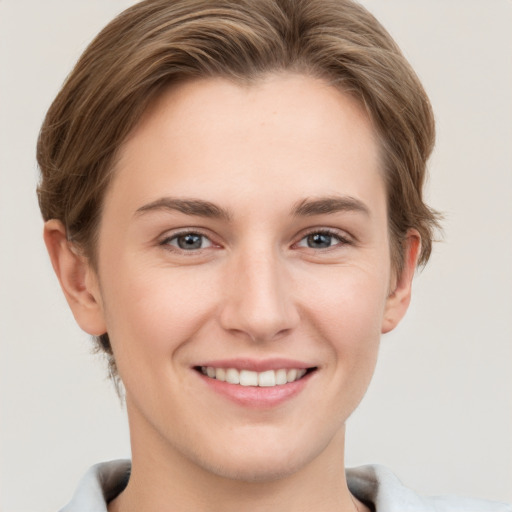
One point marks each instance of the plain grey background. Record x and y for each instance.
(439, 410)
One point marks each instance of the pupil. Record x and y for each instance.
(190, 241)
(319, 241)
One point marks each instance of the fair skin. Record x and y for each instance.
(245, 228)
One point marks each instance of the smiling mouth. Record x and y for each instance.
(268, 378)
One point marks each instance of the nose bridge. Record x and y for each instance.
(259, 299)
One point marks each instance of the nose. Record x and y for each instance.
(259, 303)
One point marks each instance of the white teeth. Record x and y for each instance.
(248, 378)
(268, 378)
(281, 377)
(291, 375)
(232, 376)
(220, 374)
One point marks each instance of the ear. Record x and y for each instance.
(400, 296)
(77, 279)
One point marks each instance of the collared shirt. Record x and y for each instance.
(374, 485)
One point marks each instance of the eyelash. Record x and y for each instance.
(342, 240)
(166, 242)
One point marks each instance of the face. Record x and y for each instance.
(244, 239)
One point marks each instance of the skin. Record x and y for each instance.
(257, 288)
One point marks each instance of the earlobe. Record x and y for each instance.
(77, 279)
(399, 298)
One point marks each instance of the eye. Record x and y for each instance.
(321, 240)
(188, 241)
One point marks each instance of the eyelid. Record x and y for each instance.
(343, 237)
(164, 239)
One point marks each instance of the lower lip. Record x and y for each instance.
(256, 396)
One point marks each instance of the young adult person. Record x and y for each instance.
(233, 202)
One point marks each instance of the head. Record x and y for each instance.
(159, 50)
(157, 43)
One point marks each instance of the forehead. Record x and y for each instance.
(285, 131)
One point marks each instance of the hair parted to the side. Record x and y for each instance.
(157, 42)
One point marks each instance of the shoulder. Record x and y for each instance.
(102, 483)
(378, 486)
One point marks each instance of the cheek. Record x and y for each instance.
(348, 301)
(154, 311)
(346, 315)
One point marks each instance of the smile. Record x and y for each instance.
(256, 384)
(268, 378)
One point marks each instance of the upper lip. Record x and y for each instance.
(257, 365)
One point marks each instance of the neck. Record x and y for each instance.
(165, 480)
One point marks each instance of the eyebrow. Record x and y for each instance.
(304, 208)
(196, 207)
(332, 204)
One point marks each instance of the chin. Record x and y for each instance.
(256, 462)
(264, 469)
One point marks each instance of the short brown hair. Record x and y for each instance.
(157, 42)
